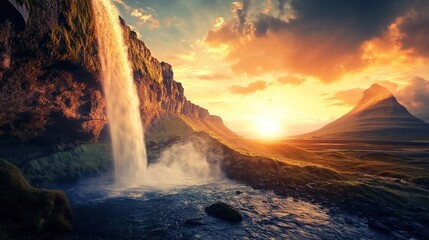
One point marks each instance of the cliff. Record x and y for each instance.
(51, 94)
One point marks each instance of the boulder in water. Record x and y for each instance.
(224, 211)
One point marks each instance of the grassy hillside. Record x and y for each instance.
(27, 211)
(84, 160)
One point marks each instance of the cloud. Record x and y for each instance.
(213, 76)
(124, 5)
(415, 96)
(251, 88)
(415, 30)
(240, 9)
(145, 18)
(291, 79)
(219, 22)
(325, 40)
(347, 97)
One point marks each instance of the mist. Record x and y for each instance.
(189, 162)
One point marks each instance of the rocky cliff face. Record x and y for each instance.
(51, 91)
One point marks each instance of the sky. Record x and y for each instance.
(275, 68)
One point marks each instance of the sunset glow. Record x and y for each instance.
(238, 58)
(268, 127)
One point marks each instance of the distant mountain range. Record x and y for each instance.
(377, 116)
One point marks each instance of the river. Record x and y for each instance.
(147, 212)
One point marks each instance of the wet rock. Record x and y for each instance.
(195, 222)
(224, 211)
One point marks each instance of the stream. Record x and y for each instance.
(148, 212)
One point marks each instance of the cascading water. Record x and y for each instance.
(126, 129)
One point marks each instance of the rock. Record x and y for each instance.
(60, 91)
(195, 222)
(224, 211)
(15, 12)
(30, 213)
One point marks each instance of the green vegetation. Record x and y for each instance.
(27, 211)
(167, 128)
(74, 40)
(142, 62)
(388, 189)
(84, 160)
(167, 131)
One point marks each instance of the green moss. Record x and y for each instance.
(81, 161)
(168, 128)
(27, 211)
(74, 39)
(141, 63)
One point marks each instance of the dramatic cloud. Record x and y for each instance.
(346, 97)
(415, 96)
(322, 39)
(415, 29)
(240, 9)
(251, 88)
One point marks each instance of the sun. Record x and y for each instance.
(268, 127)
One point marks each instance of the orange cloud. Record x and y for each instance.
(415, 30)
(251, 88)
(291, 79)
(213, 76)
(145, 18)
(327, 60)
(347, 97)
(327, 43)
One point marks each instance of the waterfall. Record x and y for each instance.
(122, 101)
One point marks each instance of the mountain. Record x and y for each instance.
(377, 116)
(51, 95)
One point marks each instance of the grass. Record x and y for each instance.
(171, 126)
(384, 187)
(74, 39)
(141, 59)
(92, 159)
(84, 160)
(26, 211)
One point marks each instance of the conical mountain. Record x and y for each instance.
(377, 116)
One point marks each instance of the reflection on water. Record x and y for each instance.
(150, 213)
